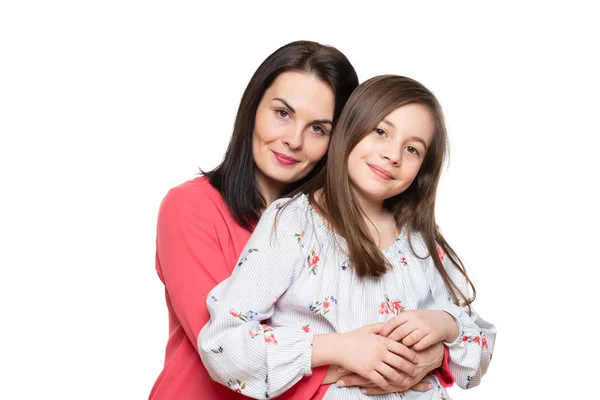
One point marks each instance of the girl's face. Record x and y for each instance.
(292, 128)
(386, 160)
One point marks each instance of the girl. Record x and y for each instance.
(280, 137)
(359, 246)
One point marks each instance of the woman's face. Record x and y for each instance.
(292, 128)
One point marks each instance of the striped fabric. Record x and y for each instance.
(296, 280)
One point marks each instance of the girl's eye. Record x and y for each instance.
(412, 150)
(379, 132)
(282, 113)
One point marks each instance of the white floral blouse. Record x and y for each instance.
(296, 280)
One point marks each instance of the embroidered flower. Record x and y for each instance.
(403, 261)
(313, 262)
(383, 308)
(243, 260)
(345, 265)
(218, 350)
(300, 238)
(270, 339)
(236, 385)
(306, 328)
(441, 253)
(247, 316)
(391, 306)
(322, 307)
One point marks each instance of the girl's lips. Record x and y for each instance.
(284, 160)
(382, 173)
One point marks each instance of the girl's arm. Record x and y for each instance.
(471, 351)
(238, 349)
(261, 361)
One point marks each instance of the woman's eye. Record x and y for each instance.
(318, 129)
(282, 113)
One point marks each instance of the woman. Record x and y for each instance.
(358, 246)
(280, 139)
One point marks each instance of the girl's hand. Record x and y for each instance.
(381, 360)
(420, 329)
(429, 359)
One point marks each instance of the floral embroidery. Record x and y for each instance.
(212, 297)
(270, 339)
(236, 385)
(313, 262)
(243, 260)
(279, 206)
(403, 261)
(441, 393)
(218, 350)
(264, 329)
(345, 265)
(247, 316)
(469, 377)
(323, 307)
(306, 328)
(300, 238)
(441, 253)
(390, 306)
(480, 339)
(400, 395)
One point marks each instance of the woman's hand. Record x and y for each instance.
(428, 360)
(381, 360)
(419, 329)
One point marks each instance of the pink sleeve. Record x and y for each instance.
(191, 260)
(443, 373)
(192, 264)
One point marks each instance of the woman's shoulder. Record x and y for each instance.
(194, 195)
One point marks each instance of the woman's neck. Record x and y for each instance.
(268, 188)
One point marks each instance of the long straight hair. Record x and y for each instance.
(413, 209)
(234, 178)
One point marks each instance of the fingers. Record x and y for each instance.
(379, 380)
(403, 332)
(422, 386)
(373, 328)
(393, 323)
(391, 375)
(400, 364)
(402, 350)
(354, 380)
(423, 343)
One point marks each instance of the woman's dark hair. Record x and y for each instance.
(234, 177)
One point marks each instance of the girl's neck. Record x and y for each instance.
(379, 221)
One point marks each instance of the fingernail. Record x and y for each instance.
(340, 383)
(341, 370)
(363, 391)
(429, 386)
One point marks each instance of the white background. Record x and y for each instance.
(106, 105)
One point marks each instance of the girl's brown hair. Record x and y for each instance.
(413, 209)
